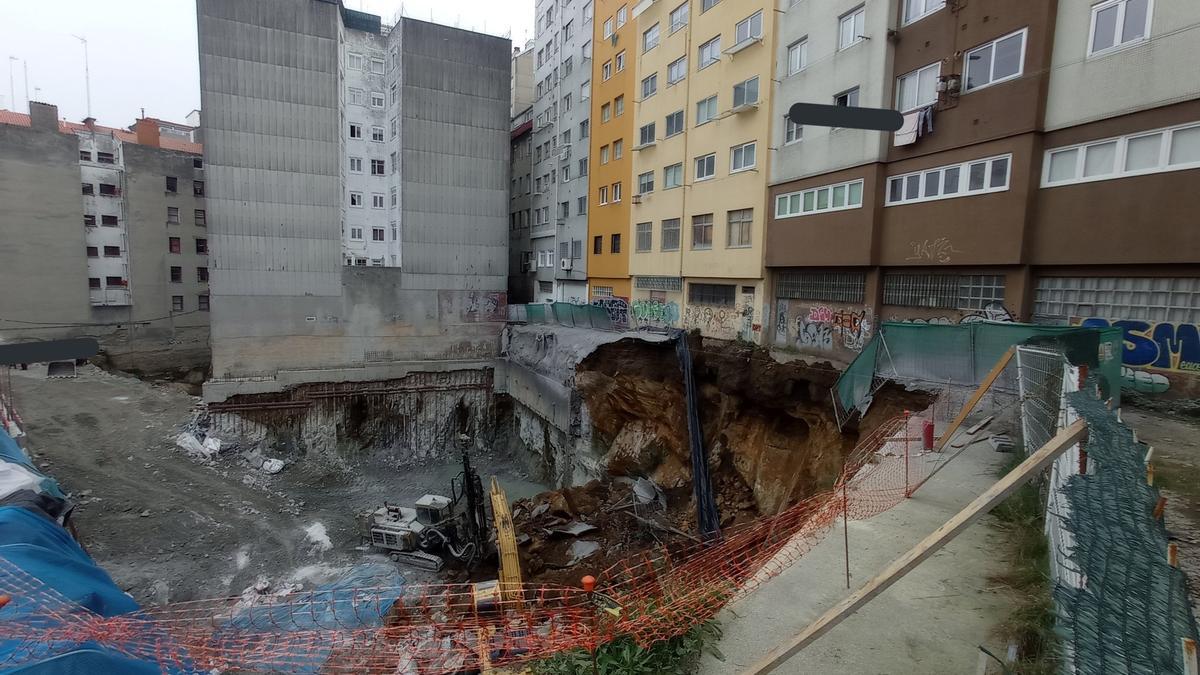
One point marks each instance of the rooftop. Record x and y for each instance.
(166, 141)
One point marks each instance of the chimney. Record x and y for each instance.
(147, 132)
(43, 116)
(90, 123)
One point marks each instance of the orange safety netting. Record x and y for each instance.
(438, 628)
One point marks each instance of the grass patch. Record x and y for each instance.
(1030, 625)
(677, 656)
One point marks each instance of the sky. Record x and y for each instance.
(142, 53)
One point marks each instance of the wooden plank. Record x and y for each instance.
(979, 392)
(1189, 657)
(901, 566)
(983, 423)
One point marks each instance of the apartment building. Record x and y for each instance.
(703, 128)
(562, 89)
(1037, 175)
(521, 254)
(105, 235)
(297, 296)
(613, 144)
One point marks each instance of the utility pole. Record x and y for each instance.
(12, 91)
(25, 66)
(87, 73)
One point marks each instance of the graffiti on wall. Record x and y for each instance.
(617, 308)
(1163, 346)
(474, 306)
(823, 325)
(940, 250)
(654, 313)
(994, 311)
(781, 321)
(727, 322)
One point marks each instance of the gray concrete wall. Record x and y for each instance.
(43, 263)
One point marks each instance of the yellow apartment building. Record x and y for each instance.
(700, 137)
(614, 48)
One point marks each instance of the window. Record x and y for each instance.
(377, 201)
(108, 221)
(172, 185)
(118, 282)
(604, 154)
(679, 17)
(737, 231)
(378, 167)
(197, 163)
(566, 31)
(1159, 150)
(712, 294)
(1117, 23)
(176, 272)
(792, 132)
(650, 86)
(820, 199)
(646, 134)
(603, 193)
(581, 206)
(377, 134)
(105, 158)
(702, 231)
(956, 180)
(202, 302)
(673, 176)
(93, 252)
(650, 38)
(706, 110)
(586, 51)
(918, 88)
(395, 197)
(616, 192)
(918, 9)
(564, 210)
(618, 106)
(670, 234)
(583, 167)
(585, 128)
(566, 103)
(176, 303)
(677, 70)
(797, 56)
(644, 237)
(89, 189)
(85, 155)
(378, 67)
(850, 28)
(109, 190)
(597, 244)
(995, 61)
(605, 112)
(201, 246)
(706, 5)
(201, 218)
(706, 166)
(356, 96)
(645, 182)
(710, 53)
(832, 286)
(202, 275)
(93, 282)
(741, 157)
(568, 65)
(197, 188)
(89, 221)
(608, 28)
(377, 99)
(618, 147)
(172, 215)
(748, 29)
(620, 61)
(174, 245)
(356, 199)
(943, 291)
(622, 16)
(354, 61)
(614, 244)
(848, 98)
(674, 123)
(745, 93)
(356, 233)
(378, 234)
(355, 130)
(356, 165)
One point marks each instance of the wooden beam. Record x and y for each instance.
(1190, 666)
(901, 566)
(979, 392)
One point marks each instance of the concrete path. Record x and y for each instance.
(931, 621)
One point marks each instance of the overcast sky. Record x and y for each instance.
(143, 52)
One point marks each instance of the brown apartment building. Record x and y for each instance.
(1042, 175)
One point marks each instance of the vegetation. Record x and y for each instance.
(1031, 623)
(676, 656)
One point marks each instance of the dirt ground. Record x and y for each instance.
(170, 529)
(1176, 442)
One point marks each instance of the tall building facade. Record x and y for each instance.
(297, 295)
(613, 144)
(106, 236)
(521, 254)
(703, 129)
(561, 126)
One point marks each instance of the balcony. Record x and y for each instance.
(110, 297)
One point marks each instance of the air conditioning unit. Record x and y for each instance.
(637, 199)
(565, 264)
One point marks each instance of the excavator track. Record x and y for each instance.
(419, 559)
